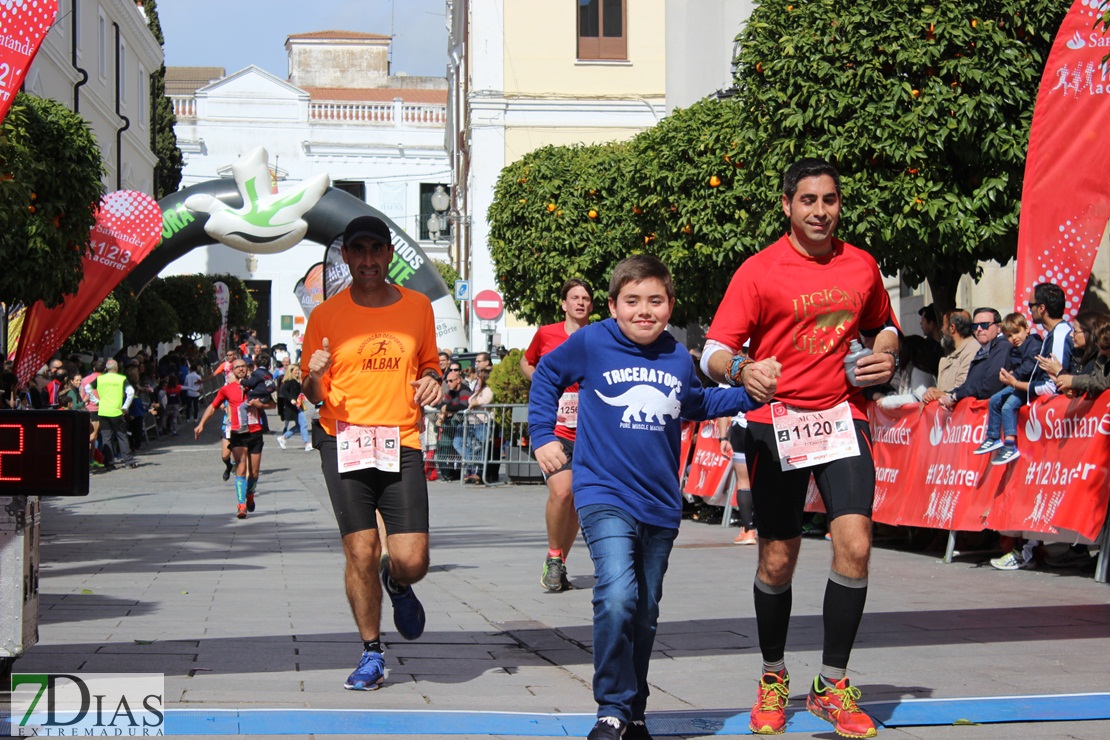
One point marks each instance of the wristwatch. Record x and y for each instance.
(433, 374)
(897, 363)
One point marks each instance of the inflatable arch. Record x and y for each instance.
(243, 213)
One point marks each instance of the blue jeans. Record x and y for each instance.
(630, 559)
(1003, 413)
(302, 422)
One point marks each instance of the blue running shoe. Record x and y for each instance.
(408, 612)
(369, 675)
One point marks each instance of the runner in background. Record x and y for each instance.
(561, 517)
(225, 369)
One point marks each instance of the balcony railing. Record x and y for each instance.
(364, 113)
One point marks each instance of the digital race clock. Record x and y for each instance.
(44, 453)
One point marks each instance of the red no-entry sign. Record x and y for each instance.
(488, 305)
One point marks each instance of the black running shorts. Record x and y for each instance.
(847, 486)
(401, 497)
(568, 450)
(253, 441)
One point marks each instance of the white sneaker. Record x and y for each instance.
(308, 447)
(281, 441)
(1010, 561)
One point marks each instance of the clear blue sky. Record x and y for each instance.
(236, 33)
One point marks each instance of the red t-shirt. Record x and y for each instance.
(804, 311)
(235, 396)
(548, 338)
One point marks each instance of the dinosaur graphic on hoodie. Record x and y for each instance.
(643, 399)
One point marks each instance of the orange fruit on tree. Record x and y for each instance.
(714, 181)
(592, 213)
(550, 207)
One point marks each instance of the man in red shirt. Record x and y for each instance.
(801, 301)
(225, 368)
(245, 446)
(562, 519)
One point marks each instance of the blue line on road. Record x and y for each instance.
(908, 713)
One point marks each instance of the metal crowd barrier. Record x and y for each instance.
(486, 446)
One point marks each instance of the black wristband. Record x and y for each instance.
(433, 374)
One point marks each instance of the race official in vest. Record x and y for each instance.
(114, 394)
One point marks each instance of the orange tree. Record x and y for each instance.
(925, 108)
(50, 170)
(560, 212)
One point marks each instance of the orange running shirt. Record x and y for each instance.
(375, 354)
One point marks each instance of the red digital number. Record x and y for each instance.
(11, 452)
(57, 447)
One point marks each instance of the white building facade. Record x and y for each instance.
(525, 75)
(379, 137)
(97, 60)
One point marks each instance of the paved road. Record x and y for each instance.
(153, 573)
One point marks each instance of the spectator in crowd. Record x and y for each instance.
(1095, 375)
(293, 402)
(92, 408)
(444, 361)
(1084, 350)
(298, 343)
(931, 351)
(1004, 404)
(190, 389)
(72, 397)
(55, 384)
(455, 400)
(482, 362)
(9, 389)
(479, 420)
(172, 389)
(953, 367)
(453, 366)
(912, 378)
(1047, 309)
(983, 379)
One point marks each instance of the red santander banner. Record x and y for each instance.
(709, 468)
(1065, 203)
(23, 26)
(128, 225)
(927, 476)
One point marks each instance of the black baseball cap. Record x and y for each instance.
(370, 227)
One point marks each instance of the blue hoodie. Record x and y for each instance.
(631, 400)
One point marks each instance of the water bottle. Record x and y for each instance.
(855, 352)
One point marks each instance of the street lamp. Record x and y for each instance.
(438, 221)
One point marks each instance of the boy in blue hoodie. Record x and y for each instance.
(636, 385)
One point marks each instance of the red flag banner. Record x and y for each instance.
(1065, 202)
(128, 225)
(23, 26)
(709, 468)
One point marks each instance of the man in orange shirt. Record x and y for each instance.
(370, 358)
